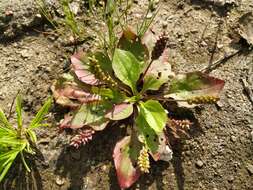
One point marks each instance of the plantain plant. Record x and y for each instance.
(18, 140)
(133, 85)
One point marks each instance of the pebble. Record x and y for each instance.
(104, 168)
(220, 104)
(24, 53)
(199, 164)
(230, 179)
(149, 15)
(59, 180)
(164, 24)
(251, 135)
(250, 168)
(203, 43)
(233, 138)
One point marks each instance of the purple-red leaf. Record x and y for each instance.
(120, 111)
(127, 174)
(71, 95)
(192, 85)
(66, 122)
(82, 69)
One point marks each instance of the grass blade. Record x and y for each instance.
(3, 120)
(41, 114)
(5, 166)
(5, 170)
(19, 111)
(32, 135)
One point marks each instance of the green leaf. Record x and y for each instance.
(152, 83)
(120, 111)
(90, 115)
(110, 6)
(194, 84)
(104, 61)
(147, 133)
(154, 114)
(112, 95)
(6, 168)
(6, 132)
(19, 110)
(127, 68)
(10, 141)
(41, 114)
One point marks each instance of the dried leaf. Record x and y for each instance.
(129, 41)
(163, 152)
(158, 73)
(69, 94)
(149, 39)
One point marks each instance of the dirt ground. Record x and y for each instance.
(219, 154)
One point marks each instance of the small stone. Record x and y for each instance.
(233, 138)
(9, 13)
(104, 168)
(251, 135)
(230, 179)
(25, 53)
(149, 15)
(75, 7)
(203, 43)
(250, 169)
(219, 46)
(219, 104)
(164, 24)
(59, 180)
(199, 164)
(38, 16)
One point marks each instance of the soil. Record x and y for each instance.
(219, 153)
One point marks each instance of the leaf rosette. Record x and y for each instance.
(130, 86)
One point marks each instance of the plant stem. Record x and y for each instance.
(24, 162)
(162, 98)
